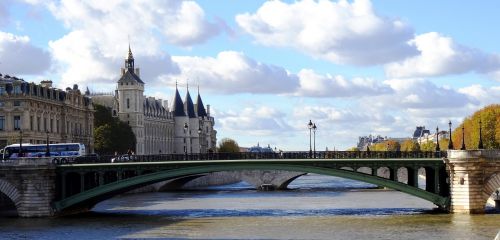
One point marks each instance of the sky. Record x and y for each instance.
(266, 68)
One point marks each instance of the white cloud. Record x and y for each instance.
(18, 56)
(257, 121)
(419, 94)
(315, 85)
(483, 95)
(440, 55)
(233, 72)
(92, 52)
(341, 32)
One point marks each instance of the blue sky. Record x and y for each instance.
(267, 67)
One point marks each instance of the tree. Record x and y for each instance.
(389, 145)
(410, 146)
(110, 134)
(428, 146)
(353, 149)
(490, 123)
(228, 145)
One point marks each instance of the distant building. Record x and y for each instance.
(259, 149)
(37, 111)
(420, 131)
(366, 141)
(186, 127)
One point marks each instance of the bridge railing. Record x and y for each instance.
(251, 155)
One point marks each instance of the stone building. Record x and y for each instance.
(35, 112)
(183, 128)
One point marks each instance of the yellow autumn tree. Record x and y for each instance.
(490, 125)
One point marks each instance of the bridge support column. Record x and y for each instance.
(30, 184)
(469, 171)
(412, 176)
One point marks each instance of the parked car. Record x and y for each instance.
(124, 158)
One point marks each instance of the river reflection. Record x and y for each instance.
(317, 207)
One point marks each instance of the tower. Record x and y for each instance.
(130, 94)
(181, 125)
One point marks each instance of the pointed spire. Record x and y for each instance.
(189, 106)
(178, 106)
(130, 55)
(200, 108)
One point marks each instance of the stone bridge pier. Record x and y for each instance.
(474, 177)
(29, 185)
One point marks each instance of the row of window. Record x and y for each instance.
(76, 127)
(42, 92)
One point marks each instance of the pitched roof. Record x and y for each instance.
(188, 104)
(129, 76)
(178, 106)
(200, 108)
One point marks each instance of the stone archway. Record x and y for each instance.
(10, 191)
(491, 184)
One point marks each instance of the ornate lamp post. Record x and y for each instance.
(314, 139)
(310, 125)
(47, 150)
(199, 138)
(437, 140)
(463, 138)
(185, 139)
(480, 145)
(450, 143)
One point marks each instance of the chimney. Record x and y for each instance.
(46, 83)
(123, 71)
(137, 72)
(208, 110)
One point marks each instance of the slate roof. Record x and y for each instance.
(178, 106)
(200, 108)
(129, 76)
(188, 104)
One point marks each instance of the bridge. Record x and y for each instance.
(457, 180)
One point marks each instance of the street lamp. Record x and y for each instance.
(199, 138)
(437, 140)
(314, 143)
(480, 145)
(47, 150)
(463, 138)
(310, 125)
(450, 143)
(185, 139)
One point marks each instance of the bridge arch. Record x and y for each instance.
(492, 183)
(95, 195)
(11, 192)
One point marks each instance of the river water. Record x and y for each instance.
(317, 207)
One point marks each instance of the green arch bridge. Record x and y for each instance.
(85, 182)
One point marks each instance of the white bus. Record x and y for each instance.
(39, 150)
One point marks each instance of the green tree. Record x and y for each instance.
(428, 146)
(353, 149)
(228, 145)
(388, 145)
(490, 123)
(110, 134)
(410, 146)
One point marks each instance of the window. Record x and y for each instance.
(128, 103)
(2, 90)
(38, 124)
(45, 124)
(2, 123)
(17, 103)
(17, 89)
(57, 126)
(51, 125)
(31, 123)
(17, 122)
(2, 103)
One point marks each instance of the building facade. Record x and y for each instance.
(186, 127)
(34, 113)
